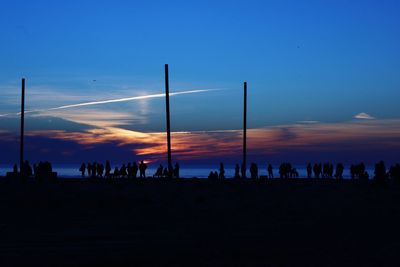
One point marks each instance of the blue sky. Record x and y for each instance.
(320, 61)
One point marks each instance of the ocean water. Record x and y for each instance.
(72, 171)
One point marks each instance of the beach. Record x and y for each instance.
(197, 222)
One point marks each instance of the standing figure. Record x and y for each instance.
(221, 171)
(82, 169)
(237, 172)
(270, 171)
(108, 169)
(176, 170)
(142, 169)
(135, 169)
(309, 170)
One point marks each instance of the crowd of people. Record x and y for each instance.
(317, 171)
(130, 170)
(286, 170)
(40, 170)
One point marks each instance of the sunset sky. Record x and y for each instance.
(323, 80)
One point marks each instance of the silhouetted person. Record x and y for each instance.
(94, 170)
(286, 170)
(394, 172)
(237, 172)
(166, 173)
(176, 170)
(82, 169)
(108, 169)
(221, 171)
(352, 171)
(309, 170)
(380, 172)
(89, 169)
(142, 169)
(213, 175)
(27, 169)
(159, 172)
(135, 169)
(270, 171)
(339, 171)
(253, 171)
(116, 172)
(129, 170)
(100, 170)
(317, 170)
(243, 171)
(15, 169)
(122, 171)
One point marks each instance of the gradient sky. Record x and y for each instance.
(323, 79)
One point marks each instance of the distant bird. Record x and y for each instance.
(94, 80)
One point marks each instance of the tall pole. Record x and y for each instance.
(21, 151)
(244, 167)
(168, 121)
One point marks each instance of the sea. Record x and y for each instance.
(72, 171)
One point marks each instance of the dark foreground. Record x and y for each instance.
(198, 222)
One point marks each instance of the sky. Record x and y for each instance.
(322, 76)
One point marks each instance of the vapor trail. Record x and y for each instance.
(112, 101)
(130, 99)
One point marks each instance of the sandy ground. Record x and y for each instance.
(199, 223)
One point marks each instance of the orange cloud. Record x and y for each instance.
(262, 141)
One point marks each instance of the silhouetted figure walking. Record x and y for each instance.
(253, 171)
(94, 170)
(380, 172)
(339, 171)
(237, 172)
(116, 172)
(82, 169)
(394, 172)
(221, 171)
(309, 170)
(317, 170)
(89, 169)
(159, 171)
(100, 170)
(122, 171)
(213, 176)
(142, 169)
(15, 169)
(108, 169)
(176, 170)
(270, 171)
(135, 169)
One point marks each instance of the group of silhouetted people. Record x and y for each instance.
(325, 170)
(318, 170)
(44, 170)
(287, 171)
(99, 170)
(130, 170)
(170, 172)
(40, 171)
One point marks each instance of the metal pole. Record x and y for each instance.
(244, 167)
(21, 151)
(168, 121)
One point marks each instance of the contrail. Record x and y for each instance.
(84, 104)
(130, 99)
